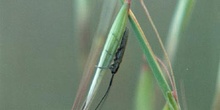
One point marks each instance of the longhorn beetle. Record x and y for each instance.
(116, 63)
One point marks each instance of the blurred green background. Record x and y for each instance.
(41, 65)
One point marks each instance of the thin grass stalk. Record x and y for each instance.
(171, 74)
(146, 48)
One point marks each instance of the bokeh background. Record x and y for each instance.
(42, 58)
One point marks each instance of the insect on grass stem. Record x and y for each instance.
(116, 63)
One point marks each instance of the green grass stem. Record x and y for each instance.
(146, 48)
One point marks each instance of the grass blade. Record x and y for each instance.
(145, 46)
